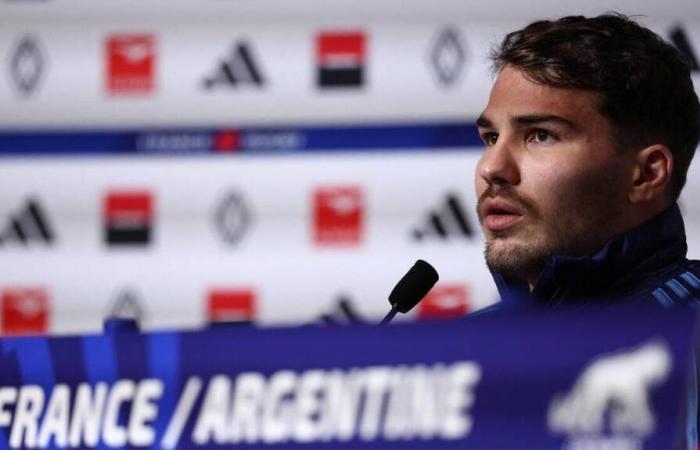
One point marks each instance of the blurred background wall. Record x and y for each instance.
(267, 161)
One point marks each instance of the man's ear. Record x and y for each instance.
(652, 173)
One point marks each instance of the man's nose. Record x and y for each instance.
(498, 164)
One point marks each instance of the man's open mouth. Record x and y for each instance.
(499, 215)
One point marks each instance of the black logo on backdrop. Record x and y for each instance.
(448, 56)
(28, 225)
(232, 218)
(238, 68)
(680, 40)
(126, 305)
(448, 221)
(342, 313)
(27, 65)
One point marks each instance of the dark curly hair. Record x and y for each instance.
(643, 83)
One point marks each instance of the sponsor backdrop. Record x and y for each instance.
(253, 169)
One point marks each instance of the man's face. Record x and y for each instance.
(550, 181)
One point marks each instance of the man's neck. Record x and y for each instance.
(635, 219)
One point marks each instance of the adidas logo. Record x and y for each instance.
(237, 69)
(449, 220)
(680, 40)
(28, 225)
(127, 305)
(343, 313)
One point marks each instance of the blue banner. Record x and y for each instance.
(247, 140)
(577, 380)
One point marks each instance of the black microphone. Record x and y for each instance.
(411, 289)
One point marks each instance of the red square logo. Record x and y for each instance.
(25, 311)
(231, 305)
(131, 64)
(338, 215)
(445, 301)
(340, 58)
(128, 217)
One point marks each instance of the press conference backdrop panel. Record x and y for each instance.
(186, 163)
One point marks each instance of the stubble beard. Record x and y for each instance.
(521, 251)
(524, 260)
(585, 225)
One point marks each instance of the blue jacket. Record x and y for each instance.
(647, 263)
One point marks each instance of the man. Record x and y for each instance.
(589, 131)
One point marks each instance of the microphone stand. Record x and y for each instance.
(392, 313)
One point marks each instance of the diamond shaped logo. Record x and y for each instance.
(448, 56)
(232, 217)
(27, 65)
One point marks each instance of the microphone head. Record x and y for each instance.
(413, 286)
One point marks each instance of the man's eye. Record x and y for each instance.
(489, 138)
(542, 136)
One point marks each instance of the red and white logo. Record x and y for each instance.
(445, 301)
(24, 311)
(338, 215)
(231, 305)
(131, 60)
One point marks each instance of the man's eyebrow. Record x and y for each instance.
(483, 122)
(534, 119)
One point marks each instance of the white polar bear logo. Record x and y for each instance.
(620, 382)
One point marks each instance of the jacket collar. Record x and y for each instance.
(622, 261)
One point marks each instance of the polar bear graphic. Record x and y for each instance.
(618, 383)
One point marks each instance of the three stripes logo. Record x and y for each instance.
(28, 225)
(127, 304)
(342, 313)
(449, 220)
(236, 69)
(682, 43)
